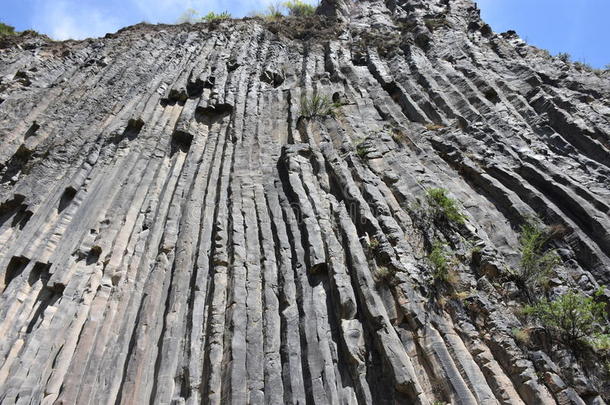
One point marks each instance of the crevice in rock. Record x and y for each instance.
(66, 198)
(14, 269)
(94, 254)
(46, 298)
(17, 163)
(194, 88)
(32, 130)
(15, 209)
(181, 141)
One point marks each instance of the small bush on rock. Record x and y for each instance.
(317, 106)
(521, 335)
(444, 207)
(573, 317)
(383, 274)
(298, 8)
(537, 263)
(6, 29)
(274, 11)
(361, 151)
(212, 16)
(441, 266)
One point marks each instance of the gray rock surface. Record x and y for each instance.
(173, 231)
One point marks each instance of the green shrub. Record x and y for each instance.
(298, 8)
(6, 29)
(444, 207)
(191, 16)
(317, 106)
(274, 11)
(601, 341)
(361, 150)
(212, 16)
(564, 57)
(536, 263)
(521, 335)
(573, 317)
(439, 261)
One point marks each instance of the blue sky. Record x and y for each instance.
(579, 27)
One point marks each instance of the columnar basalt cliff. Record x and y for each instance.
(173, 228)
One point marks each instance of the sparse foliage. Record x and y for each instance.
(444, 207)
(434, 127)
(583, 66)
(317, 106)
(374, 244)
(298, 8)
(6, 30)
(361, 150)
(433, 23)
(564, 57)
(189, 16)
(573, 317)
(212, 16)
(275, 11)
(521, 335)
(440, 262)
(383, 274)
(537, 263)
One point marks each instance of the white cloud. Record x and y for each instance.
(62, 19)
(79, 19)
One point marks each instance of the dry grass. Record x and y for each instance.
(434, 127)
(521, 335)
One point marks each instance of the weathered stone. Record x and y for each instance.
(174, 230)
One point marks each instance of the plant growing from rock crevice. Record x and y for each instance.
(441, 264)
(6, 30)
(443, 208)
(298, 8)
(361, 150)
(573, 317)
(434, 127)
(212, 16)
(318, 106)
(191, 16)
(537, 262)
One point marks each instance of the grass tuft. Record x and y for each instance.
(521, 335)
(434, 127)
(443, 206)
(440, 263)
(6, 30)
(212, 16)
(318, 106)
(298, 8)
(537, 263)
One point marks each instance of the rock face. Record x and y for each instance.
(173, 230)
